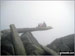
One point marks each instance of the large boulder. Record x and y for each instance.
(6, 45)
(31, 45)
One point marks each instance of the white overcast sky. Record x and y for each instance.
(58, 14)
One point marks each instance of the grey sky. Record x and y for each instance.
(58, 14)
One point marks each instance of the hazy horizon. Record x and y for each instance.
(24, 14)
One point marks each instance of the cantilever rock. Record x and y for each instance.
(21, 30)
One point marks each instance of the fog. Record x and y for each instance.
(24, 14)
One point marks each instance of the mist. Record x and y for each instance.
(28, 14)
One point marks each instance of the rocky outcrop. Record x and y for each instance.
(26, 44)
(63, 44)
